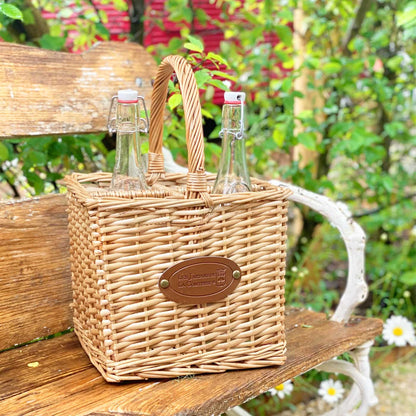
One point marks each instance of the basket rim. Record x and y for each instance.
(164, 196)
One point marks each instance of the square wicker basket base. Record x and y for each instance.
(117, 371)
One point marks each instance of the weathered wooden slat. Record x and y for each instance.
(44, 92)
(64, 383)
(34, 269)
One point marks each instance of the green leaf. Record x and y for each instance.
(28, 17)
(36, 181)
(55, 30)
(388, 183)
(174, 100)
(6, 36)
(217, 59)
(103, 16)
(219, 84)
(4, 152)
(213, 149)
(102, 30)
(57, 149)
(53, 176)
(192, 47)
(187, 15)
(394, 128)
(285, 34)
(380, 38)
(222, 74)
(202, 77)
(286, 14)
(305, 115)
(312, 63)
(206, 113)
(121, 5)
(53, 43)
(332, 67)
(37, 158)
(215, 133)
(278, 136)
(286, 85)
(408, 278)
(283, 56)
(194, 44)
(407, 18)
(201, 16)
(394, 63)
(308, 140)
(11, 11)
(175, 44)
(375, 154)
(357, 44)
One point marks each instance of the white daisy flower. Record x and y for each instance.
(331, 391)
(398, 331)
(282, 390)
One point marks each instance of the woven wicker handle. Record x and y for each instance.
(196, 181)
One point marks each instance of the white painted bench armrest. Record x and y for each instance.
(353, 235)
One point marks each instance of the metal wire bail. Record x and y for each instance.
(111, 123)
(240, 134)
(144, 122)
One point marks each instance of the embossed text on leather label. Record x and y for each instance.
(200, 280)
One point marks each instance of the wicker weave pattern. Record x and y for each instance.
(130, 329)
(122, 243)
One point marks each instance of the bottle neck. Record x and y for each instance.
(128, 146)
(233, 154)
(128, 169)
(127, 117)
(233, 172)
(232, 132)
(233, 120)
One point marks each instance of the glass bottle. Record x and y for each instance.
(129, 172)
(233, 173)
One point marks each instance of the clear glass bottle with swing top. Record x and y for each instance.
(125, 119)
(233, 173)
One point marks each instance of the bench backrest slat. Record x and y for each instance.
(51, 93)
(35, 279)
(47, 93)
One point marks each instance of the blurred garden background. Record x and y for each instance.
(331, 107)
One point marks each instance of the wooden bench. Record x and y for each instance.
(53, 93)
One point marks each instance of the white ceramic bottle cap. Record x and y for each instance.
(127, 96)
(232, 97)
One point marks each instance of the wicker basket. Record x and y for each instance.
(122, 244)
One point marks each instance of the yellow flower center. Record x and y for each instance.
(397, 331)
(280, 387)
(331, 391)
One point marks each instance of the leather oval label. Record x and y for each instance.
(200, 280)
